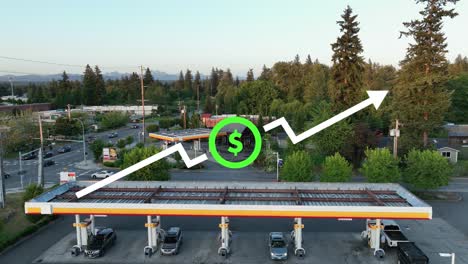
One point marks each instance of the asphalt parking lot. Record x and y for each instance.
(247, 247)
(250, 245)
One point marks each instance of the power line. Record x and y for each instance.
(63, 64)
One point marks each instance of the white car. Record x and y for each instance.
(102, 174)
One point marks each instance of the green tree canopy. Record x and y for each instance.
(114, 120)
(420, 97)
(297, 167)
(334, 138)
(380, 166)
(427, 169)
(157, 171)
(346, 87)
(336, 169)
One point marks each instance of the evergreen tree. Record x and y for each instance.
(297, 59)
(266, 74)
(250, 76)
(197, 86)
(208, 105)
(148, 77)
(89, 85)
(100, 87)
(421, 99)
(348, 65)
(188, 88)
(179, 84)
(309, 60)
(214, 81)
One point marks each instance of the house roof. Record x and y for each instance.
(449, 148)
(457, 130)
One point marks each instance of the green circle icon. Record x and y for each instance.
(227, 163)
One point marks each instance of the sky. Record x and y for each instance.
(175, 35)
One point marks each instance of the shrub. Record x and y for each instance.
(33, 190)
(380, 166)
(129, 140)
(152, 128)
(114, 120)
(96, 148)
(121, 143)
(427, 169)
(157, 171)
(336, 169)
(297, 167)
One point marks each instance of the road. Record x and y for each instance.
(65, 161)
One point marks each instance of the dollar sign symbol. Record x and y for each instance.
(234, 140)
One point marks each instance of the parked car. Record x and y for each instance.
(102, 174)
(409, 253)
(48, 163)
(6, 175)
(29, 156)
(91, 139)
(113, 135)
(135, 126)
(48, 154)
(172, 241)
(278, 246)
(64, 149)
(100, 242)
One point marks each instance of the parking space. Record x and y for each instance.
(247, 247)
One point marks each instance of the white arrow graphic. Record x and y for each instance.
(375, 98)
(178, 147)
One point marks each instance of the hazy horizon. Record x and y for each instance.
(170, 36)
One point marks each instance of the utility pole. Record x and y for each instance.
(185, 117)
(198, 98)
(395, 133)
(11, 85)
(142, 103)
(40, 169)
(69, 112)
(2, 178)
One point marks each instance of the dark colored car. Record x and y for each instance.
(409, 253)
(99, 243)
(135, 126)
(29, 156)
(6, 175)
(48, 155)
(48, 163)
(172, 241)
(64, 149)
(113, 135)
(278, 246)
(91, 139)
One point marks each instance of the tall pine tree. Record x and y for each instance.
(348, 65)
(148, 77)
(100, 87)
(250, 76)
(89, 86)
(420, 97)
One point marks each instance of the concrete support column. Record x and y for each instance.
(78, 231)
(298, 249)
(153, 226)
(92, 225)
(225, 237)
(374, 228)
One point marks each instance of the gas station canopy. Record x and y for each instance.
(184, 135)
(246, 199)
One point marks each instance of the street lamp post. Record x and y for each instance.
(448, 255)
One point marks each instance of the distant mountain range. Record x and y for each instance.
(159, 75)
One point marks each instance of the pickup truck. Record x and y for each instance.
(391, 234)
